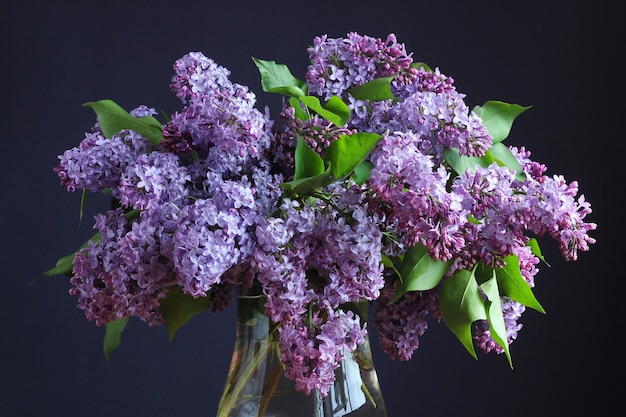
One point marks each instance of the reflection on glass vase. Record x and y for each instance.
(256, 385)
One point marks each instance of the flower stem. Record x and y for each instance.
(232, 393)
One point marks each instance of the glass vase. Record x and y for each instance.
(256, 385)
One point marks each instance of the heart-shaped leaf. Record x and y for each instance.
(307, 162)
(113, 118)
(307, 186)
(498, 153)
(495, 316)
(461, 304)
(419, 271)
(335, 110)
(421, 65)
(113, 336)
(498, 118)
(277, 78)
(348, 151)
(362, 172)
(513, 285)
(505, 158)
(374, 90)
(461, 163)
(177, 308)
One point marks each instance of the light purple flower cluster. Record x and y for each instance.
(337, 64)
(311, 259)
(98, 162)
(430, 106)
(220, 122)
(312, 352)
(212, 236)
(200, 193)
(204, 209)
(509, 208)
(155, 178)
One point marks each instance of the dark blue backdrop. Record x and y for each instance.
(562, 60)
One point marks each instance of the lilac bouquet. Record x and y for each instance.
(376, 186)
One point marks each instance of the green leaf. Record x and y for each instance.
(472, 219)
(307, 186)
(460, 163)
(536, 250)
(296, 104)
(498, 153)
(389, 263)
(348, 151)
(309, 175)
(65, 264)
(461, 304)
(113, 118)
(498, 118)
(483, 273)
(335, 110)
(83, 201)
(177, 308)
(307, 162)
(276, 78)
(113, 336)
(495, 316)
(513, 285)
(421, 65)
(419, 271)
(375, 90)
(362, 172)
(505, 158)
(337, 106)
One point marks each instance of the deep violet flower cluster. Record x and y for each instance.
(205, 209)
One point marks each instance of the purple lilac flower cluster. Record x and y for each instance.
(213, 217)
(311, 259)
(200, 193)
(408, 187)
(337, 64)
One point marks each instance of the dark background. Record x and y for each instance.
(559, 57)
